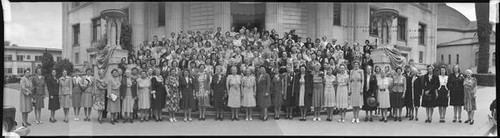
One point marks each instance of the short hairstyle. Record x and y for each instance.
(88, 69)
(399, 68)
(114, 70)
(457, 67)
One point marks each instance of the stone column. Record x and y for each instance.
(222, 16)
(137, 22)
(173, 17)
(361, 23)
(324, 20)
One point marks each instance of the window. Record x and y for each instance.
(420, 57)
(96, 29)
(59, 58)
(421, 33)
(20, 71)
(458, 59)
(8, 58)
(493, 59)
(161, 14)
(336, 13)
(449, 58)
(38, 58)
(20, 57)
(442, 59)
(8, 70)
(373, 25)
(476, 56)
(76, 35)
(77, 58)
(28, 57)
(401, 29)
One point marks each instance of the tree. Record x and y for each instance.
(63, 64)
(483, 35)
(6, 43)
(47, 63)
(126, 36)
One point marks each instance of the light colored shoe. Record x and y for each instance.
(76, 119)
(251, 119)
(357, 120)
(246, 119)
(185, 120)
(175, 120)
(319, 119)
(340, 120)
(353, 120)
(171, 120)
(343, 120)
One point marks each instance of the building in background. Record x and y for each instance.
(17, 59)
(457, 41)
(412, 32)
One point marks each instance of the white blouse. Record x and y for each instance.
(443, 80)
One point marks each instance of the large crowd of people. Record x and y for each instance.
(253, 70)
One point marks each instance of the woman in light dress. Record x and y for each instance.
(470, 89)
(128, 95)
(330, 81)
(88, 86)
(144, 95)
(356, 90)
(342, 91)
(234, 92)
(173, 94)
(383, 84)
(65, 88)
(114, 93)
(25, 97)
(248, 93)
(76, 95)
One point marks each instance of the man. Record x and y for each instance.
(367, 60)
(367, 48)
(295, 37)
(370, 90)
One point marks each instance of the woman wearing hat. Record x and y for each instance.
(470, 89)
(113, 95)
(26, 97)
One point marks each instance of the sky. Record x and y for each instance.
(39, 24)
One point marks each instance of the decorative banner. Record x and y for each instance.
(397, 60)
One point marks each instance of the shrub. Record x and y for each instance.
(61, 65)
(47, 63)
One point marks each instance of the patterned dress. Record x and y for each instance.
(39, 91)
(25, 96)
(128, 100)
(248, 91)
(278, 88)
(173, 93)
(342, 93)
(318, 91)
(263, 91)
(329, 91)
(470, 89)
(203, 90)
(144, 93)
(114, 88)
(99, 95)
(89, 87)
(356, 84)
(234, 94)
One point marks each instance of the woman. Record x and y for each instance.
(219, 92)
(248, 92)
(415, 83)
(26, 97)
(65, 88)
(470, 89)
(76, 96)
(369, 90)
(342, 91)
(384, 83)
(378, 72)
(408, 103)
(173, 94)
(329, 103)
(88, 86)
(289, 95)
(398, 93)
(187, 90)
(303, 88)
(99, 95)
(128, 94)
(356, 90)
(318, 91)
(202, 89)
(113, 95)
(455, 82)
(40, 87)
(144, 95)
(53, 88)
(159, 94)
(277, 91)
(263, 92)
(430, 85)
(233, 85)
(443, 94)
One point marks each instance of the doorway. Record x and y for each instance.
(248, 15)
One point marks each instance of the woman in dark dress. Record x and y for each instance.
(277, 91)
(303, 87)
(408, 74)
(53, 88)
(219, 92)
(443, 94)
(263, 92)
(369, 90)
(430, 85)
(159, 94)
(187, 96)
(418, 82)
(455, 83)
(289, 95)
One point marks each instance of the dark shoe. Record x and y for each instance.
(232, 119)
(381, 120)
(125, 121)
(131, 121)
(426, 121)
(237, 119)
(454, 120)
(371, 119)
(416, 119)
(366, 119)
(459, 121)
(471, 122)
(411, 118)
(385, 121)
(112, 122)
(100, 121)
(221, 118)
(29, 124)
(395, 119)
(467, 121)
(399, 119)
(430, 121)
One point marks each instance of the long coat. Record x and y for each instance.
(290, 95)
(263, 90)
(187, 92)
(53, 88)
(308, 89)
(371, 90)
(219, 90)
(431, 85)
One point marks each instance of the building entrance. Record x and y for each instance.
(248, 15)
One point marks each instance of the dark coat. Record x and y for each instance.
(263, 90)
(455, 84)
(219, 90)
(431, 85)
(371, 90)
(308, 88)
(187, 92)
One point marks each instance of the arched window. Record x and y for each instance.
(449, 58)
(476, 58)
(458, 57)
(442, 58)
(493, 59)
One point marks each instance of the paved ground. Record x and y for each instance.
(271, 127)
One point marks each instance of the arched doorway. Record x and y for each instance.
(248, 14)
